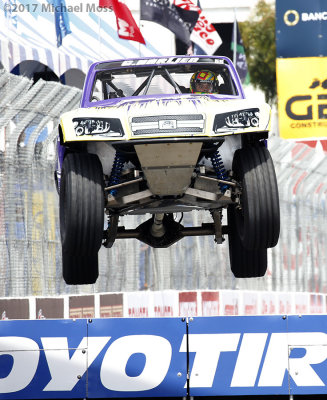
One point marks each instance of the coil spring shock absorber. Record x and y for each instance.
(219, 168)
(115, 175)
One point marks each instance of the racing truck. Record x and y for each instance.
(146, 141)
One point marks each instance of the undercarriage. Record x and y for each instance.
(171, 180)
(166, 180)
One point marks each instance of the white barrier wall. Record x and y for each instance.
(168, 303)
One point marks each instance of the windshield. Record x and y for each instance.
(156, 80)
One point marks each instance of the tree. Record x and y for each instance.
(258, 34)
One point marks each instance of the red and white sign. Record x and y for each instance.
(137, 304)
(165, 304)
(204, 33)
(268, 303)
(285, 303)
(188, 304)
(317, 303)
(210, 304)
(250, 303)
(301, 301)
(230, 302)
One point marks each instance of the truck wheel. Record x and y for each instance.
(79, 269)
(81, 216)
(244, 263)
(258, 219)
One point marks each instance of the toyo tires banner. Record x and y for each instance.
(163, 357)
(301, 44)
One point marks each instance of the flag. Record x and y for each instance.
(126, 25)
(61, 20)
(164, 13)
(188, 5)
(187, 11)
(239, 57)
(203, 34)
(106, 3)
(10, 9)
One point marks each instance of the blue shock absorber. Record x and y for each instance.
(219, 168)
(115, 175)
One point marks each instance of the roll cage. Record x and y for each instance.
(174, 75)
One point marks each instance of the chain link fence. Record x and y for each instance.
(30, 250)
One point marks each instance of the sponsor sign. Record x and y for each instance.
(152, 61)
(45, 359)
(301, 28)
(285, 303)
(127, 358)
(302, 97)
(81, 307)
(267, 303)
(301, 301)
(188, 304)
(137, 304)
(210, 304)
(14, 309)
(250, 303)
(316, 303)
(230, 302)
(49, 307)
(165, 303)
(111, 305)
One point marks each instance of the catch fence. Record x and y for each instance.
(30, 250)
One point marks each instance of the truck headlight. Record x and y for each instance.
(111, 127)
(236, 120)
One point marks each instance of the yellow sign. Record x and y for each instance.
(302, 97)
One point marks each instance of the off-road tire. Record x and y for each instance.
(81, 216)
(258, 220)
(79, 269)
(244, 263)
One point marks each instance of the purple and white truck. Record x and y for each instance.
(145, 141)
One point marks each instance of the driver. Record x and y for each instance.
(204, 81)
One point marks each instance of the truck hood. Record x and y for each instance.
(180, 116)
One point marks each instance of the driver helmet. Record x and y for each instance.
(204, 81)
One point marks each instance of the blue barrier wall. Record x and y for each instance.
(163, 357)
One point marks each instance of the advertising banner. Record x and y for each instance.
(230, 302)
(301, 28)
(137, 304)
(188, 306)
(268, 303)
(301, 46)
(14, 309)
(285, 303)
(45, 359)
(163, 357)
(165, 303)
(301, 301)
(111, 305)
(250, 303)
(302, 97)
(49, 307)
(141, 357)
(307, 353)
(210, 304)
(81, 306)
(317, 304)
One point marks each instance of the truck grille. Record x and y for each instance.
(167, 124)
